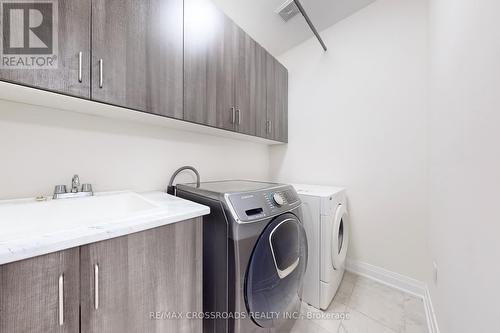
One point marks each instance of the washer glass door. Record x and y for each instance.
(340, 238)
(273, 282)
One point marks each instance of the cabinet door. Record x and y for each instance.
(30, 294)
(140, 278)
(72, 28)
(277, 100)
(137, 54)
(210, 51)
(250, 86)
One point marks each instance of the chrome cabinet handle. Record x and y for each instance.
(268, 125)
(80, 59)
(238, 113)
(96, 286)
(100, 73)
(61, 299)
(233, 119)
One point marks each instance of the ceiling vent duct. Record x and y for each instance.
(287, 10)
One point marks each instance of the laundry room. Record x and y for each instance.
(249, 166)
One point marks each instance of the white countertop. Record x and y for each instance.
(21, 240)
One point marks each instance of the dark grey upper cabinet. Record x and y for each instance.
(277, 100)
(210, 54)
(127, 279)
(230, 81)
(250, 88)
(183, 59)
(71, 35)
(41, 294)
(137, 54)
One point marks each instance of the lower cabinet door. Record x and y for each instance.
(150, 281)
(41, 294)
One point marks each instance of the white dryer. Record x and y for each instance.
(326, 224)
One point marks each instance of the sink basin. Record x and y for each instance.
(25, 218)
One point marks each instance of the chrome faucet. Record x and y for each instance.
(75, 183)
(60, 191)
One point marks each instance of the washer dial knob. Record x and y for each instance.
(278, 199)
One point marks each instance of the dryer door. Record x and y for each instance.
(275, 272)
(340, 237)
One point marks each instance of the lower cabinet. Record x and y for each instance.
(127, 284)
(41, 294)
(126, 281)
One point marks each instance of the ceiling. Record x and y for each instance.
(258, 18)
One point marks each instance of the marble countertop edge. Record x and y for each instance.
(172, 210)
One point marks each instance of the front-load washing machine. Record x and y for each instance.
(254, 255)
(326, 223)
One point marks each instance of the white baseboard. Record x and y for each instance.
(430, 314)
(398, 281)
(392, 279)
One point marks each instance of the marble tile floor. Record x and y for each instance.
(365, 306)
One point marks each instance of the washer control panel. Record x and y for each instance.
(258, 205)
(278, 199)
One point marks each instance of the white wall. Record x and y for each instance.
(358, 117)
(259, 19)
(40, 148)
(465, 163)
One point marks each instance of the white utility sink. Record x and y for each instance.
(28, 217)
